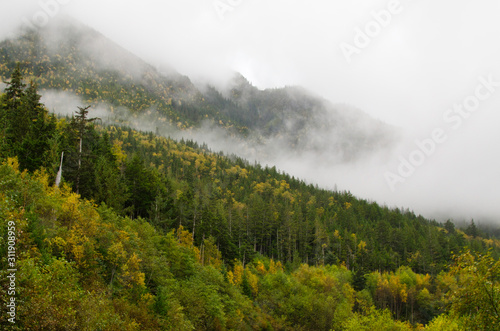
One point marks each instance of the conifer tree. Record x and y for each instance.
(40, 128)
(472, 229)
(26, 125)
(15, 87)
(79, 124)
(16, 119)
(3, 126)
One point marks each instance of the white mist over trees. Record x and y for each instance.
(409, 76)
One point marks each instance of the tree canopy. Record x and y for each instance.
(149, 233)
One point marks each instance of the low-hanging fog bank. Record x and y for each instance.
(455, 178)
(412, 74)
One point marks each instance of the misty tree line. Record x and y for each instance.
(250, 223)
(248, 209)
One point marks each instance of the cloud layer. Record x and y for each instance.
(421, 61)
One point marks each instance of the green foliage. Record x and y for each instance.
(167, 235)
(375, 320)
(50, 294)
(445, 323)
(476, 294)
(26, 125)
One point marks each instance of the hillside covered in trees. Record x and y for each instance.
(72, 58)
(147, 233)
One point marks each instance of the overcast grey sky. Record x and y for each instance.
(412, 61)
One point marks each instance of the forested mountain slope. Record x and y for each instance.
(68, 56)
(162, 234)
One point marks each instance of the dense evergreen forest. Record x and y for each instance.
(147, 233)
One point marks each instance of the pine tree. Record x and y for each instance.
(472, 229)
(40, 129)
(141, 182)
(109, 186)
(17, 119)
(26, 126)
(80, 126)
(450, 227)
(4, 150)
(15, 88)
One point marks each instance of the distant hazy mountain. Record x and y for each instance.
(304, 121)
(74, 58)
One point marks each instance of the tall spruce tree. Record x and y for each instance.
(35, 143)
(4, 150)
(79, 124)
(15, 87)
(16, 118)
(26, 125)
